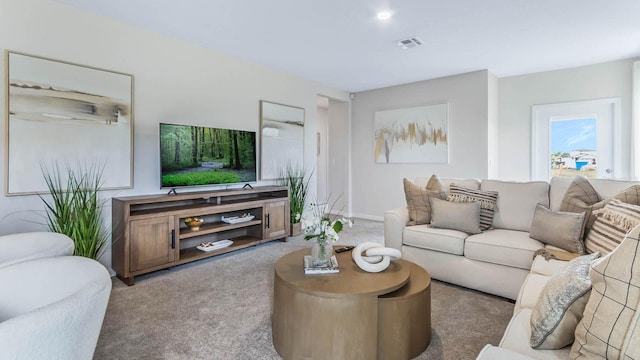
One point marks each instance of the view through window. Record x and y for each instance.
(573, 147)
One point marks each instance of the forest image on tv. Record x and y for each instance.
(197, 155)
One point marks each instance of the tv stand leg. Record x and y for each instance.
(247, 186)
(172, 191)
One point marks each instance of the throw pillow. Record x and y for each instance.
(435, 184)
(487, 200)
(609, 326)
(456, 216)
(612, 224)
(560, 306)
(558, 228)
(581, 197)
(418, 202)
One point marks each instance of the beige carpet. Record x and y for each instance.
(219, 308)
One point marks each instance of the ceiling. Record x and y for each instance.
(340, 43)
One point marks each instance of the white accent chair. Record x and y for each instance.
(51, 307)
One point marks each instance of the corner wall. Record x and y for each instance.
(378, 187)
(173, 82)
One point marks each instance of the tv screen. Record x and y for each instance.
(198, 155)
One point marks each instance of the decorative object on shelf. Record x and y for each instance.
(282, 138)
(319, 226)
(310, 269)
(238, 219)
(297, 180)
(82, 112)
(75, 208)
(216, 245)
(412, 135)
(194, 223)
(377, 257)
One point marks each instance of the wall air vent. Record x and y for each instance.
(409, 42)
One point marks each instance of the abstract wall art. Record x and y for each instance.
(412, 135)
(66, 115)
(282, 140)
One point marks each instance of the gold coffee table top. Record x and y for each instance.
(351, 281)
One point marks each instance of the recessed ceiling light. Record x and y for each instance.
(384, 15)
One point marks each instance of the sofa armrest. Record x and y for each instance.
(394, 223)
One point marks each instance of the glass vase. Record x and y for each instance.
(321, 252)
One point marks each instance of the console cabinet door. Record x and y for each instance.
(152, 241)
(275, 220)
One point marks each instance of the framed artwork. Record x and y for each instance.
(66, 115)
(412, 135)
(282, 138)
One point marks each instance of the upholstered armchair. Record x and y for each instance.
(15, 248)
(52, 308)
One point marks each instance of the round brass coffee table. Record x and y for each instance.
(352, 314)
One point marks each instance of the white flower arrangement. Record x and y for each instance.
(316, 224)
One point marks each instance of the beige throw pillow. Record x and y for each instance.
(609, 327)
(558, 228)
(560, 306)
(581, 197)
(487, 200)
(456, 216)
(418, 202)
(611, 225)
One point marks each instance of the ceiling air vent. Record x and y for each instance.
(409, 42)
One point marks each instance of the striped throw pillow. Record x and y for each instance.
(487, 200)
(611, 225)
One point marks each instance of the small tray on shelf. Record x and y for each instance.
(310, 269)
(217, 245)
(237, 219)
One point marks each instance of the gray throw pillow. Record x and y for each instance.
(560, 306)
(558, 228)
(456, 216)
(487, 200)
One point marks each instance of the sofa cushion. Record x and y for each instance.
(609, 325)
(516, 338)
(487, 200)
(530, 291)
(516, 202)
(418, 201)
(443, 240)
(611, 225)
(560, 306)
(546, 267)
(501, 246)
(558, 228)
(456, 216)
(490, 352)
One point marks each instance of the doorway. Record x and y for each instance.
(577, 138)
(333, 154)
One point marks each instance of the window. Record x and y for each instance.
(574, 147)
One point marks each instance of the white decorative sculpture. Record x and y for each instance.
(376, 258)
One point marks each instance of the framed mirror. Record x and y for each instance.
(282, 138)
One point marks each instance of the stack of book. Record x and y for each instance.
(310, 269)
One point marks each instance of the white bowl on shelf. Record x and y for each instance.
(237, 219)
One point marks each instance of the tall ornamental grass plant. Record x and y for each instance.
(75, 209)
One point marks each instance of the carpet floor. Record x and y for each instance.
(219, 308)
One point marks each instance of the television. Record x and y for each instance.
(200, 156)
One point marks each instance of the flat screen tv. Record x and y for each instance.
(200, 156)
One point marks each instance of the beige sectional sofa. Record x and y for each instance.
(500, 260)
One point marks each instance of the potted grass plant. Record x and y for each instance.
(297, 180)
(73, 207)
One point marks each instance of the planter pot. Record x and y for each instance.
(296, 229)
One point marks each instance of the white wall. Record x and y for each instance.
(518, 93)
(174, 82)
(493, 163)
(378, 187)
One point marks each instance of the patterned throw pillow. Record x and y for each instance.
(487, 200)
(418, 202)
(560, 306)
(612, 224)
(581, 197)
(610, 327)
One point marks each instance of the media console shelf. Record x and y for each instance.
(149, 232)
